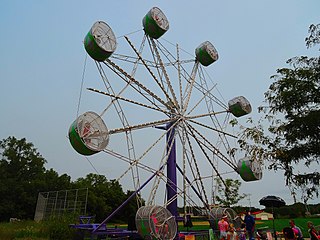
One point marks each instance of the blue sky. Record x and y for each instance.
(42, 58)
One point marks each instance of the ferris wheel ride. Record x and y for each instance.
(164, 119)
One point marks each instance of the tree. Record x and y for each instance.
(291, 141)
(22, 177)
(228, 193)
(21, 166)
(53, 182)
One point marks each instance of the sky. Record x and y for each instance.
(42, 63)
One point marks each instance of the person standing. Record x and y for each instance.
(223, 226)
(250, 224)
(296, 230)
(312, 231)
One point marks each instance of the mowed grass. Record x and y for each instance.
(30, 230)
(282, 223)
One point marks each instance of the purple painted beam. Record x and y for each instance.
(171, 171)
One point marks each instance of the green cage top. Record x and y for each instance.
(239, 106)
(249, 170)
(100, 42)
(206, 53)
(155, 23)
(88, 134)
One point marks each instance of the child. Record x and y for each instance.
(232, 235)
(242, 232)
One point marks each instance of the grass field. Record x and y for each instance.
(281, 223)
(30, 230)
(24, 230)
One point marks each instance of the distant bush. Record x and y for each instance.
(57, 228)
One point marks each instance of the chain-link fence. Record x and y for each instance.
(56, 203)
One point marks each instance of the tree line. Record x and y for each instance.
(23, 176)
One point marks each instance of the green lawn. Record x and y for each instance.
(281, 223)
(30, 230)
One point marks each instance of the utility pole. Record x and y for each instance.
(249, 199)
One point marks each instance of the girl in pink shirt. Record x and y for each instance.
(223, 226)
